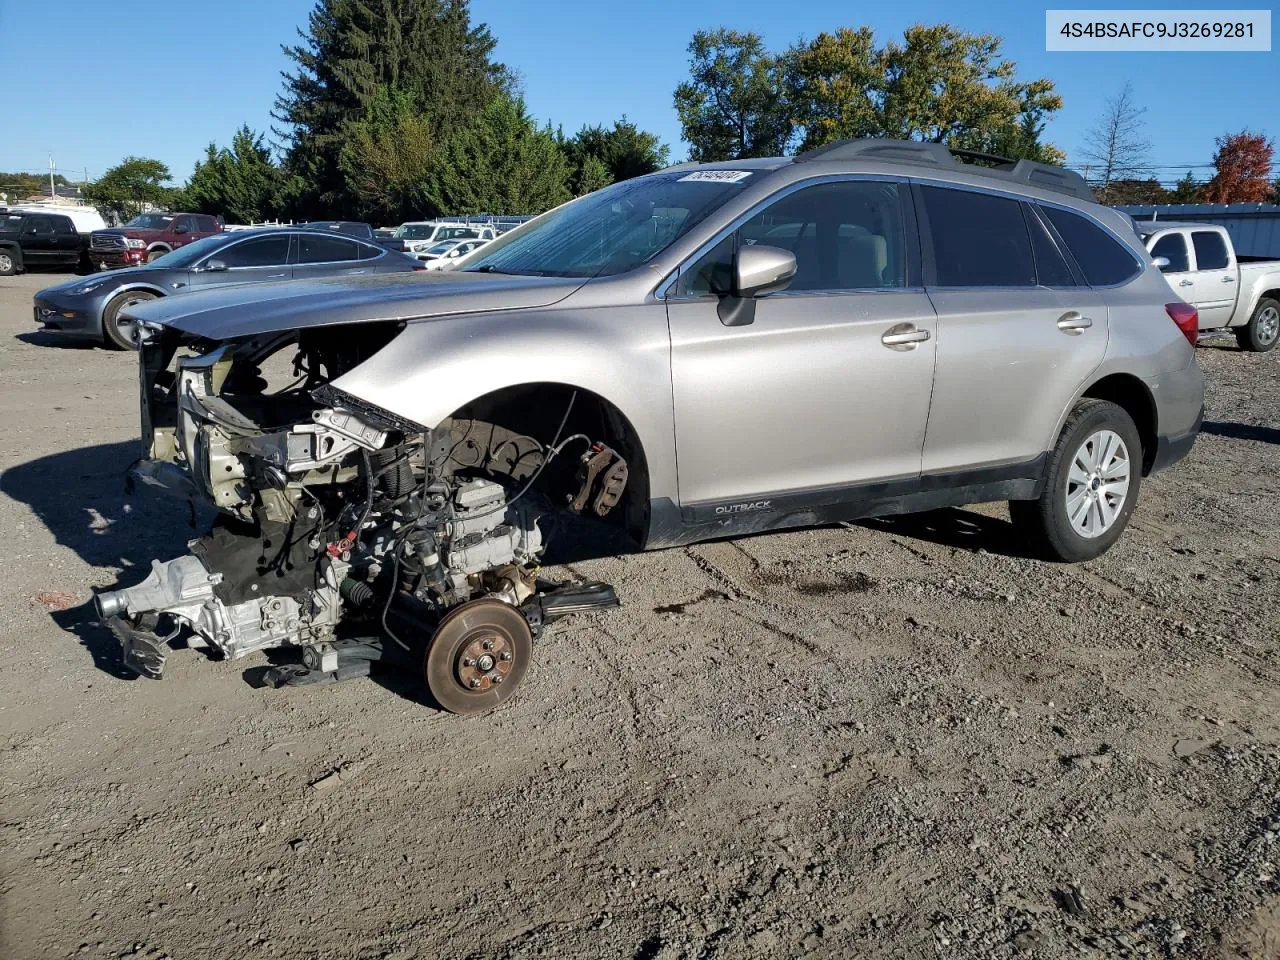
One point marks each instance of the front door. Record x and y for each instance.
(1017, 333)
(809, 397)
(1216, 274)
(259, 258)
(38, 242)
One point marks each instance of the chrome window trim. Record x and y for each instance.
(664, 287)
(243, 240)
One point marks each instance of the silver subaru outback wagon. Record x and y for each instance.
(870, 328)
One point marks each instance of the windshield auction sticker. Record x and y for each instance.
(716, 176)
(1170, 30)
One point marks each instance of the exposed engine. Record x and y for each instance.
(340, 525)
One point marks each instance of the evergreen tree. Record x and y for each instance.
(355, 51)
(242, 183)
(501, 164)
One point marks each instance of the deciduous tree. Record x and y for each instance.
(1114, 147)
(1242, 166)
(124, 190)
(732, 104)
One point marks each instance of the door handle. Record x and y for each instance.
(178, 284)
(1073, 323)
(904, 336)
(1228, 279)
(1186, 283)
(273, 276)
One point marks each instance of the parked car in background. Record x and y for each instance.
(39, 240)
(420, 236)
(1230, 291)
(148, 236)
(453, 253)
(90, 306)
(869, 328)
(354, 228)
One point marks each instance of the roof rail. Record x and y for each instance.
(1042, 175)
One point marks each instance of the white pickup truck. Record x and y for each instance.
(1232, 292)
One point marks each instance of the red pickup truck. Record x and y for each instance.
(148, 236)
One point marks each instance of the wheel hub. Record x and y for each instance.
(485, 662)
(1097, 484)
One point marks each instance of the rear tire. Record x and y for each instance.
(115, 333)
(155, 254)
(1091, 486)
(8, 263)
(1262, 332)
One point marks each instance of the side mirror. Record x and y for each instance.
(758, 272)
(214, 265)
(1162, 263)
(179, 229)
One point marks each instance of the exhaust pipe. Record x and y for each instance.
(113, 603)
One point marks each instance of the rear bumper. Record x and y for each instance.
(1171, 449)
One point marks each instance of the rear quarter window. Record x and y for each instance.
(1103, 259)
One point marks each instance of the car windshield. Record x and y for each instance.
(415, 231)
(150, 221)
(442, 247)
(187, 255)
(615, 229)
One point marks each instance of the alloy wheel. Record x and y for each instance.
(1098, 484)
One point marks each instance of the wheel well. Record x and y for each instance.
(1266, 295)
(536, 410)
(1131, 394)
(159, 246)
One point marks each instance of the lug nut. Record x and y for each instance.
(506, 655)
(469, 662)
(475, 683)
(488, 644)
(496, 678)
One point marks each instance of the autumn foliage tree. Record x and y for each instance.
(1243, 168)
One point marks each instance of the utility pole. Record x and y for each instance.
(53, 193)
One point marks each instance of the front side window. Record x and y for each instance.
(189, 253)
(320, 248)
(261, 252)
(616, 229)
(979, 240)
(845, 236)
(39, 225)
(182, 225)
(1211, 250)
(63, 225)
(1173, 246)
(1104, 260)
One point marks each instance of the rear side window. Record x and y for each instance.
(979, 240)
(321, 248)
(366, 252)
(1103, 259)
(1173, 246)
(1211, 250)
(262, 252)
(1051, 267)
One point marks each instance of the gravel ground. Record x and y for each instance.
(897, 739)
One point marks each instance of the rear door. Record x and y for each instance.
(1017, 331)
(39, 246)
(329, 255)
(66, 240)
(249, 260)
(809, 399)
(1215, 278)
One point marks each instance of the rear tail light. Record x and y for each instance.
(1187, 318)
(418, 267)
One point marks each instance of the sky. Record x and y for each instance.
(101, 81)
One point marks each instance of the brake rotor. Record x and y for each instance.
(477, 657)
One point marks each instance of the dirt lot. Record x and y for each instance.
(900, 739)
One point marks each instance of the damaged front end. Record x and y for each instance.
(340, 526)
